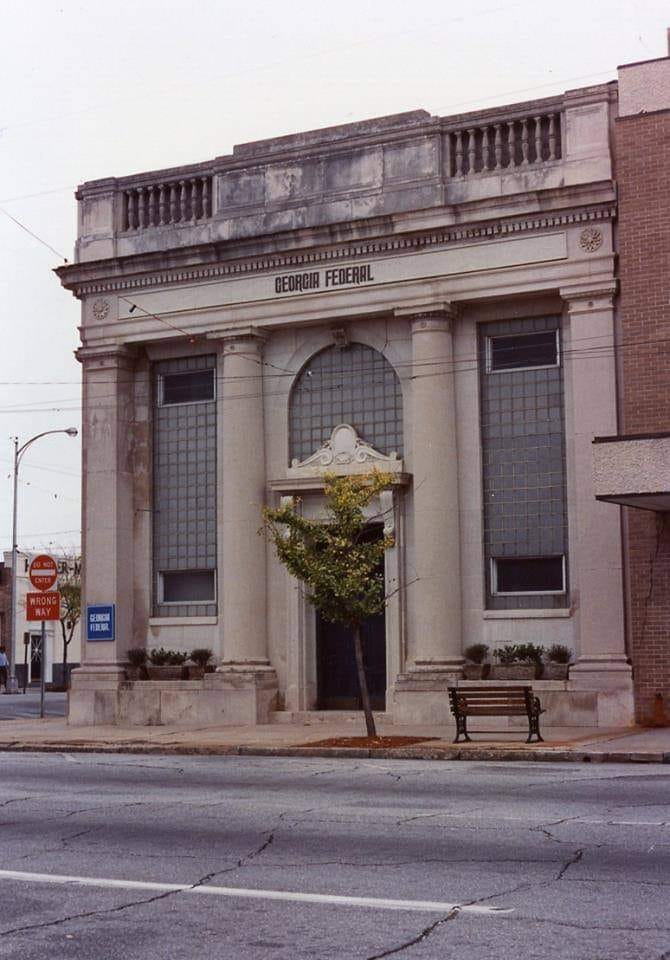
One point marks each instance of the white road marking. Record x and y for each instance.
(420, 906)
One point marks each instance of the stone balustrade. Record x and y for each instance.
(504, 144)
(160, 204)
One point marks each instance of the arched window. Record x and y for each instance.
(353, 384)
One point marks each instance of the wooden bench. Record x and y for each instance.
(490, 701)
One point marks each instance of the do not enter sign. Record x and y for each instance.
(43, 572)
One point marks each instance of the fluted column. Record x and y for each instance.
(437, 589)
(242, 552)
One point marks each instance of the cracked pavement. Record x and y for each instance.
(581, 857)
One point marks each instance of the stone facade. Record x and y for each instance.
(431, 252)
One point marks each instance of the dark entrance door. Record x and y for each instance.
(337, 682)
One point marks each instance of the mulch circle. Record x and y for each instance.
(370, 743)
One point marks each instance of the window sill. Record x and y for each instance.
(558, 613)
(181, 621)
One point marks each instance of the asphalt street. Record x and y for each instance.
(17, 706)
(113, 856)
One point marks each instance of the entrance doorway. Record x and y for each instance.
(337, 680)
(35, 657)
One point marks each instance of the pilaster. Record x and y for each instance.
(596, 548)
(107, 526)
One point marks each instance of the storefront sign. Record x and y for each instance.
(323, 279)
(100, 622)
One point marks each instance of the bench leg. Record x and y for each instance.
(461, 728)
(534, 729)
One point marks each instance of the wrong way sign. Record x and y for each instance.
(43, 606)
(43, 572)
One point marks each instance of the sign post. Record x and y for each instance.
(43, 606)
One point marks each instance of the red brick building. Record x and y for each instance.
(633, 469)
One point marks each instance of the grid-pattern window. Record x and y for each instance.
(523, 447)
(184, 488)
(353, 384)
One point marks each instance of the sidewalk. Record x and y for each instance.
(579, 744)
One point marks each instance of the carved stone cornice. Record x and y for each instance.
(155, 276)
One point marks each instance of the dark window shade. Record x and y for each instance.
(529, 575)
(523, 350)
(188, 387)
(188, 586)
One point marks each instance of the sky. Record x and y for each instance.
(92, 89)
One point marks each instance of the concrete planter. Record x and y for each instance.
(166, 672)
(513, 671)
(476, 671)
(136, 673)
(195, 672)
(555, 671)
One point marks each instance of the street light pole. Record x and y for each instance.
(18, 453)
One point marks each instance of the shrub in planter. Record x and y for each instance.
(166, 664)
(518, 661)
(476, 668)
(558, 662)
(200, 657)
(137, 660)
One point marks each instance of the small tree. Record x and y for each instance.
(70, 607)
(339, 567)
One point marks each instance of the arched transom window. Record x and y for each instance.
(353, 384)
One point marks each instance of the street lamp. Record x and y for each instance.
(18, 453)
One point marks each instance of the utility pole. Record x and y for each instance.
(12, 686)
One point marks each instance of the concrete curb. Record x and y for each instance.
(487, 754)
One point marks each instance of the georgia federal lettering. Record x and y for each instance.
(324, 279)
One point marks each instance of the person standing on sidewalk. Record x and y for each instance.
(4, 664)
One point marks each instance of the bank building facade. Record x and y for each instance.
(431, 296)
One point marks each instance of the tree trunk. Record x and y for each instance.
(362, 682)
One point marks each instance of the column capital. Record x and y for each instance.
(108, 357)
(429, 317)
(241, 340)
(589, 297)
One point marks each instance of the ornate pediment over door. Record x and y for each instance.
(345, 453)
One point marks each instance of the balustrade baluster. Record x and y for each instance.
(205, 197)
(471, 150)
(538, 139)
(151, 195)
(173, 203)
(524, 142)
(511, 162)
(485, 148)
(193, 185)
(552, 136)
(130, 194)
(497, 145)
(161, 204)
(458, 153)
(141, 208)
(182, 200)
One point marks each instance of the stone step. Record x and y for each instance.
(326, 716)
